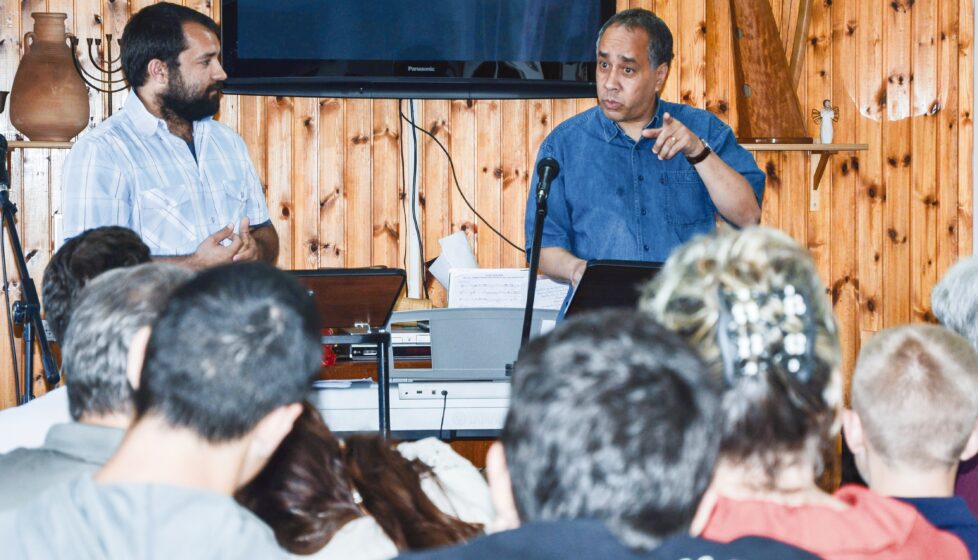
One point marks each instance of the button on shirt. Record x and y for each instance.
(614, 199)
(131, 171)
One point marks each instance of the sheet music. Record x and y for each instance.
(501, 287)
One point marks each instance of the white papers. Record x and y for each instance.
(455, 253)
(501, 287)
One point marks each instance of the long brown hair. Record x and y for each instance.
(305, 492)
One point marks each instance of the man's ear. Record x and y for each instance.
(501, 489)
(852, 427)
(265, 438)
(137, 356)
(661, 73)
(158, 72)
(971, 447)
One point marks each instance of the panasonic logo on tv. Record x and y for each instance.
(421, 68)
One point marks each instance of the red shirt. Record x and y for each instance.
(873, 527)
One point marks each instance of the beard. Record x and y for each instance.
(190, 106)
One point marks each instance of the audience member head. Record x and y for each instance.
(80, 259)
(751, 302)
(108, 313)
(231, 358)
(914, 402)
(313, 485)
(612, 417)
(955, 299)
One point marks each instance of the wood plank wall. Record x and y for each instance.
(888, 223)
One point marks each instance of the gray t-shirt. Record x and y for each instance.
(86, 520)
(69, 451)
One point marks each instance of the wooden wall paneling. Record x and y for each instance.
(436, 183)
(386, 184)
(114, 16)
(843, 276)
(966, 76)
(488, 190)
(251, 127)
(332, 189)
(772, 164)
(305, 183)
(278, 120)
(409, 228)
(720, 98)
(8, 375)
(897, 148)
(669, 11)
(925, 105)
(869, 88)
(692, 64)
(462, 148)
(539, 124)
(515, 165)
(357, 177)
(564, 109)
(946, 242)
(818, 63)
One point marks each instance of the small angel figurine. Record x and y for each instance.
(825, 117)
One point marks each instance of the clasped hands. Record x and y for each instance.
(673, 138)
(225, 246)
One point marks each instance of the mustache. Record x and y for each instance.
(216, 87)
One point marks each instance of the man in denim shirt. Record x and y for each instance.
(622, 192)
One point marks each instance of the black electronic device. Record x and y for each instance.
(448, 49)
(609, 283)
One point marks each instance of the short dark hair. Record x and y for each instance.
(660, 38)
(156, 31)
(612, 417)
(232, 345)
(80, 259)
(109, 312)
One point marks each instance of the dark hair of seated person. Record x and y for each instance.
(306, 491)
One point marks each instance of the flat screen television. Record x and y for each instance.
(412, 48)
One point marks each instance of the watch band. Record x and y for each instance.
(702, 155)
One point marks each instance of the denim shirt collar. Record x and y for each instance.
(146, 123)
(611, 128)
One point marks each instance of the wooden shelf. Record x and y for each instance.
(48, 145)
(819, 148)
(824, 151)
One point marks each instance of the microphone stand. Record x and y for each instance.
(547, 170)
(26, 312)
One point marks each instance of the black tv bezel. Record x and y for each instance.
(251, 76)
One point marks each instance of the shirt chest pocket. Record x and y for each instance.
(230, 200)
(167, 215)
(687, 198)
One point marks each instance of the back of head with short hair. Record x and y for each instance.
(156, 31)
(955, 299)
(915, 389)
(80, 259)
(614, 418)
(109, 311)
(232, 345)
(751, 302)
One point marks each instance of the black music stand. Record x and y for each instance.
(357, 304)
(608, 283)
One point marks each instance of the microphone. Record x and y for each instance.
(547, 171)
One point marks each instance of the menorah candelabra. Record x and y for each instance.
(107, 65)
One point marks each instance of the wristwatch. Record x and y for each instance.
(702, 155)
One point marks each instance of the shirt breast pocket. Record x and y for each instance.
(687, 197)
(167, 216)
(230, 199)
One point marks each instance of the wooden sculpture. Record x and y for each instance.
(767, 105)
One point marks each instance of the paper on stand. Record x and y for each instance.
(455, 253)
(501, 287)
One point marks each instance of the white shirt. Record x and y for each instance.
(131, 171)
